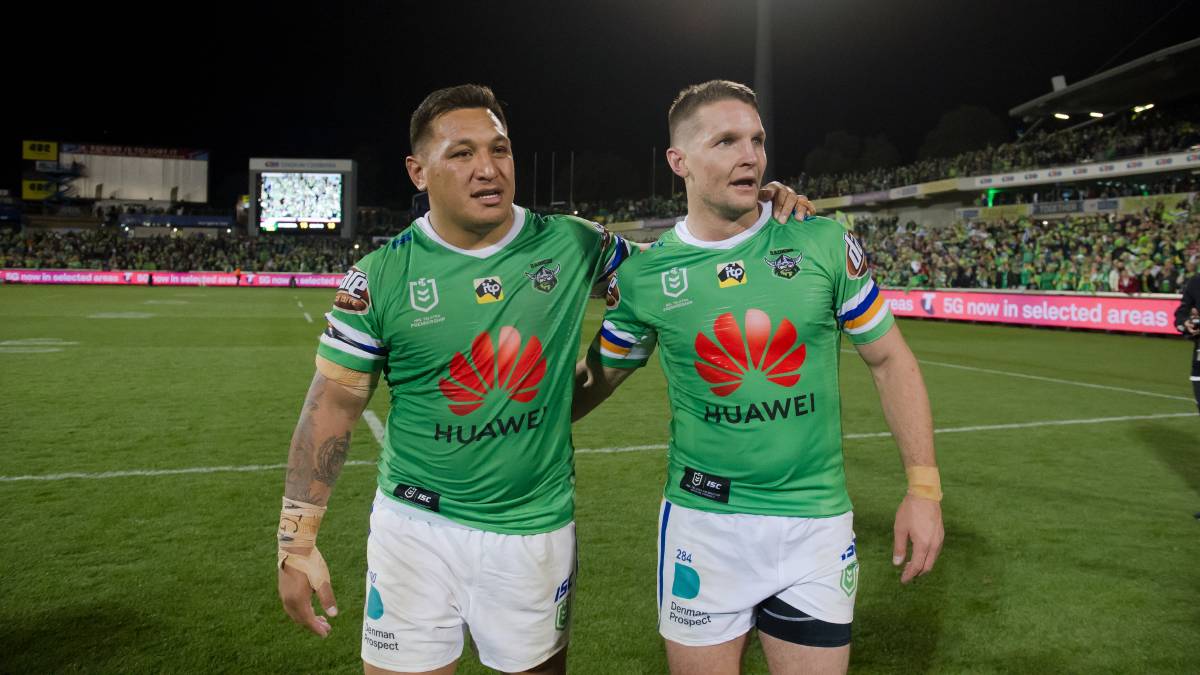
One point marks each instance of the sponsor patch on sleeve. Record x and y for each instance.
(605, 235)
(856, 258)
(612, 298)
(353, 295)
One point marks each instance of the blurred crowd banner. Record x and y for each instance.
(1119, 205)
(144, 278)
(1122, 167)
(1112, 312)
(1063, 174)
(166, 220)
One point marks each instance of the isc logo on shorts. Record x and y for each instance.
(488, 289)
(731, 274)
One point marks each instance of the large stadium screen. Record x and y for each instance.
(300, 202)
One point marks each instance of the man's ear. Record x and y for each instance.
(677, 160)
(416, 172)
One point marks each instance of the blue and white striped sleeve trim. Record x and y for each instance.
(620, 253)
(342, 337)
(864, 311)
(619, 344)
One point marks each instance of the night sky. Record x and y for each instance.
(340, 80)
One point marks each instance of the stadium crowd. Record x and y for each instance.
(112, 249)
(1151, 253)
(1036, 150)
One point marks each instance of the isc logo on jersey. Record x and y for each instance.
(731, 274)
(352, 294)
(488, 289)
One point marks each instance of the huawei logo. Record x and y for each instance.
(726, 365)
(502, 365)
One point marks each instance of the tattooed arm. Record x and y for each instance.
(319, 447)
(321, 440)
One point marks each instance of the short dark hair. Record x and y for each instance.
(445, 100)
(692, 98)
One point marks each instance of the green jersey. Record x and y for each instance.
(749, 335)
(478, 349)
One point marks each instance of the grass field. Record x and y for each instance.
(1069, 547)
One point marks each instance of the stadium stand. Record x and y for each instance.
(112, 249)
(1150, 134)
(1152, 253)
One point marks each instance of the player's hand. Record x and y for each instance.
(920, 521)
(786, 202)
(296, 593)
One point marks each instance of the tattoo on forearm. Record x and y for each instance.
(314, 466)
(330, 458)
(298, 483)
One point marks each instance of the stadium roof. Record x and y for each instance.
(1166, 75)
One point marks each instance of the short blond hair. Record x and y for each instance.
(690, 99)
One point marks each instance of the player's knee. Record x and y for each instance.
(784, 622)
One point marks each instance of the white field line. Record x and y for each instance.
(581, 451)
(33, 345)
(1031, 425)
(372, 421)
(28, 350)
(1040, 378)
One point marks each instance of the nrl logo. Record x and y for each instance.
(422, 294)
(785, 266)
(544, 279)
(674, 282)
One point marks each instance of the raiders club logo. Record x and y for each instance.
(545, 278)
(785, 266)
(352, 294)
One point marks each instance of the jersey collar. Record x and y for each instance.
(685, 235)
(487, 252)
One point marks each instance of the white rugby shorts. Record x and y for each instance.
(714, 569)
(430, 580)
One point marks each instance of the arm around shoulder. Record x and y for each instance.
(594, 382)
